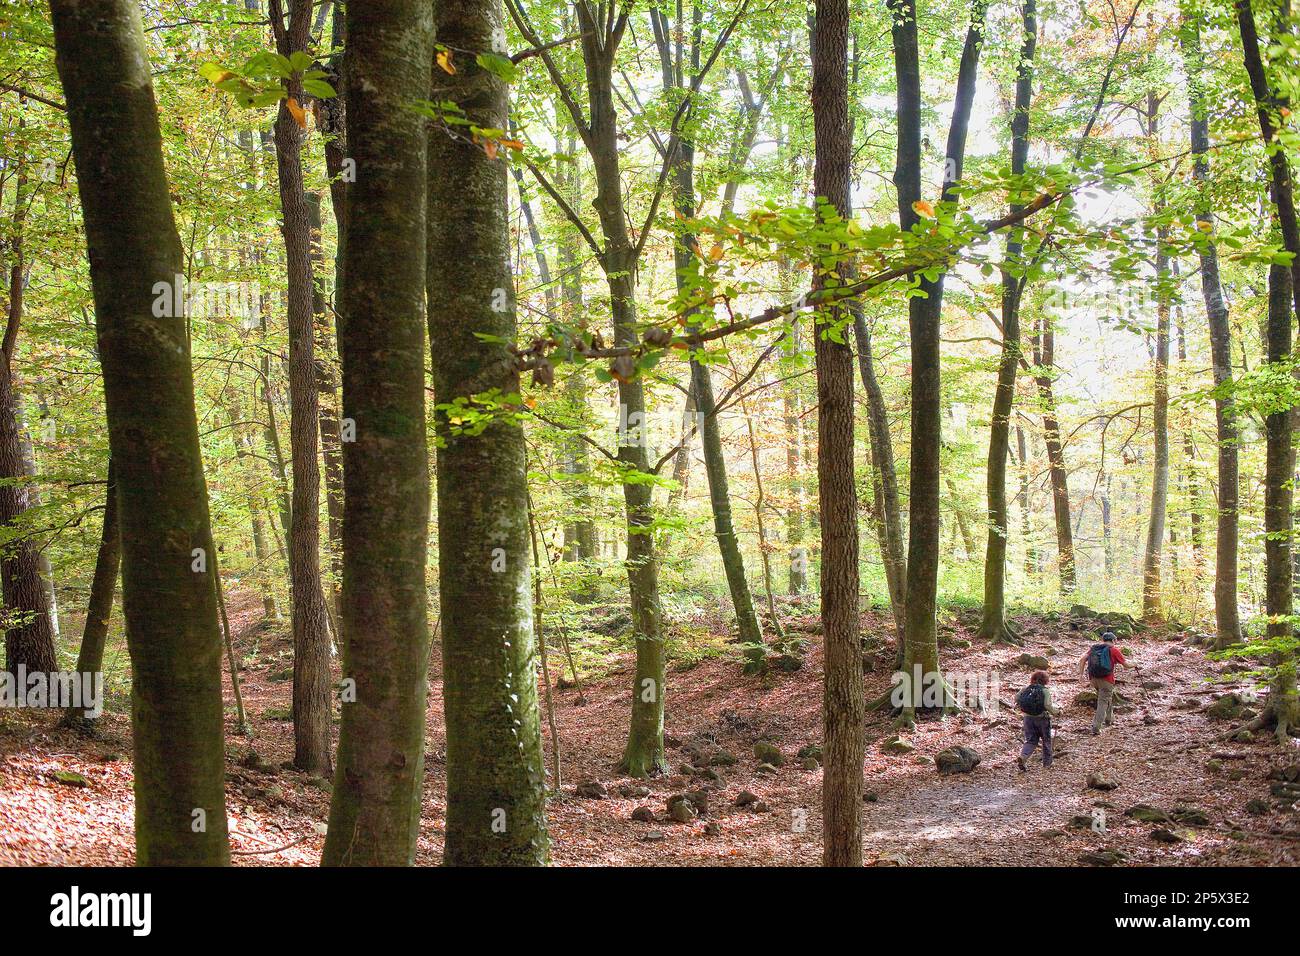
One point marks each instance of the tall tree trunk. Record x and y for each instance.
(496, 806)
(28, 625)
(1283, 708)
(169, 600)
(1160, 406)
(794, 512)
(1044, 348)
(843, 709)
(90, 659)
(311, 652)
(375, 810)
(715, 462)
(921, 645)
(993, 625)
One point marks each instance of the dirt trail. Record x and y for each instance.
(1160, 753)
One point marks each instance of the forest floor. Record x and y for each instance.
(1164, 751)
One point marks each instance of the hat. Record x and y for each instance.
(1108, 636)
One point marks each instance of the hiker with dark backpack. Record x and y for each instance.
(1098, 666)
(1035, 702)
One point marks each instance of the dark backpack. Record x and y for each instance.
(1099, 663)
(1030, 700)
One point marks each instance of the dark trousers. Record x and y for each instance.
(1038, 729)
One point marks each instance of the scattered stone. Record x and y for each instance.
(891, 859)
(769, 753)
(255, 761)
(1033, 662)
(787, 662)
(1176, 651)
(653, 836)
(870, 796)
(1052, 834)
(1099, 781)
(810, 750)
(1191, 816)
(1243, 736)
(643, 814)
(591, 790)
(680, 808)
(766, 769)
(1227, 707)
(1081, 822)
(1152, 684)
(810, 764)
(761, 807)
(1256, 807)
(711, 828)
(633, 791)
(70, 778)
(745, 799)
(1146, 813)
(700, 801)
(1289, 774)
(1102, 858)
(897, 745)
(956, 760)
(1214, 766)
(1161, 835)
(722, 758)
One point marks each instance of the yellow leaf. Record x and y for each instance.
(715, 253)
(513, 144)
(923, 208)
(299, 116)
(490, 147)
(444, 61)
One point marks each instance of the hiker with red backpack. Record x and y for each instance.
(1098, 666)
(1035, 702)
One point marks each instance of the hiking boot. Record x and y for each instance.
(1020, 762)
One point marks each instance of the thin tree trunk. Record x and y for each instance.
(496, 784)
(993, 625)
(169, 601)
(375, 809)
(921, 646)
(1044, 348)
(103, 586)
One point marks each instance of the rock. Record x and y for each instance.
(787, 662)
(1081, 822)
(810, 750)
(956, 760)
(711, 828)
(1256, 807)
(769, 753)
(1161, 835)
(761, 807)
(810, 763)
(891, 859)
(1191, 816)
(590, 790)
(633, 791)
(1285, 790)
(1086, 698)
(1147, 813)
(1227, 707)
(722, 758)
(1052, 834)
(766, 769)
(1099, 781)
(680, 808)
(255, 761)
(745, 799)
(1289, 774)
(1243, 736)
(653, 836)
(70, 778)
(897, 745)
(1214, 766)
(1033, 661)
(1102, 858)
(1152, 684)
(870, 796)
(643, 814)
(699, 800)
(1176, 651)
(671, 741)
(1150, 719)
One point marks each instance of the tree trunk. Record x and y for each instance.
(375, 810)
(90, 659)
(311, 653)
(921, 646)
(794, 512)
(843, 708)
(1044, 347)
(496, 785)
(1160, 409)
(993, 625)
(169, 601)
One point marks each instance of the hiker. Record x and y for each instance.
(1035, 702)
(1098, 666)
